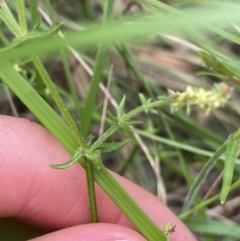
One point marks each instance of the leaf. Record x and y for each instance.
(75, 158)
(121, 107)
(231, 151)
(153, 111)
(213, 227)
(217, 65)
(15, 42)
(32, 36)
(36, 24)
(38, 35)
(145, 102)
(112, 146)
(133, 122)
(112, 116)
(89, 140)
(142, 98)
(96, 160)
(124, 126)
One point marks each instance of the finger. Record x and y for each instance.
(58, 199)
(93, 232)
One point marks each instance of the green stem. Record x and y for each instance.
(145, 107)
(57, 98)
(22, 17)
(91, 190)
(105, 135)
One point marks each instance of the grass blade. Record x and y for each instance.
(96, 79)
(38, 106)
(213, 227)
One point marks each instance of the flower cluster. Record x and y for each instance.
(168, 229)
(204, 99)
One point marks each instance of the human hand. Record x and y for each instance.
(57, 200)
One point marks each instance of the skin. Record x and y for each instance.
(57, 200)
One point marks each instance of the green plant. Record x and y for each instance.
(84, 150)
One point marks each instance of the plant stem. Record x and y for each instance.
(145, 107)
(91, 190)
(105, 135)
(57, 98)
(22, 17)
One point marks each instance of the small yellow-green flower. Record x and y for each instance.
(204, 99)
(168, 229)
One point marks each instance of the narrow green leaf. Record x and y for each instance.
(32, 36)
(121, 107)
(133, 122)
(75, 158)
(124, 126)
(204, 172)
(96, 79)
(144, 101)
(15, 42)
(112, 117)
(36, 24)
(39, 35)
(114, 30)
(218, 66)
(231, 151)
(213, 227)
(112, 146)
(153, 111)
(142, 98)
(89, 140)
(95, 158)
(97, 161)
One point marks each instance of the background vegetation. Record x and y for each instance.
(147, 47)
